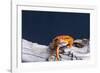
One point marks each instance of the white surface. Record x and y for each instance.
(34, 52)
(5, 35)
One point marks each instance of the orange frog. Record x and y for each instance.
(58, 42)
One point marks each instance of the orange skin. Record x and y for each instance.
(60, 39)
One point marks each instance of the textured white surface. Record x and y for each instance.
(34, 52)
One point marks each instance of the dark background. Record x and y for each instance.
(41, 27)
